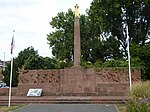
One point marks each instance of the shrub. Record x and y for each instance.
(139, 98)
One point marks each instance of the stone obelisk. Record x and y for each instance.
(76, 37)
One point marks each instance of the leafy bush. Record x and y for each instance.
(86, 64)
(116, 63)
(139, 98)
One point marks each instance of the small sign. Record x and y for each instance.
(34, 92)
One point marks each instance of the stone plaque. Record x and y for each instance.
(34, 92)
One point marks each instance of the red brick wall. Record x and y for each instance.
(77, 81)
(5, 91)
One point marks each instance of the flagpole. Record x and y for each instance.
(129, 61)
(11, 74)
(10, 80)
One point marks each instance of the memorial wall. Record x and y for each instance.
(77, 81)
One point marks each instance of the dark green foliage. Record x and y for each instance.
(38, 62)
(109, 17)
(144, 55)
(28, 59)
(24, 55)
(7, 75)
(62, 65)
(61, 41)
(103, 34)
(112, 51)
(109, 63)
(93, 47)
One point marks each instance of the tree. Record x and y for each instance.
(103, 31)
(109, 17)
(112, 50)
(61, 40)
(24, 55)
(7, 75)
(28, 59)
(18, 63)
(38, 62)
(143, 55)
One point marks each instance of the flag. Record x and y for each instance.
(127, 42)
(12, 45)
(127, 39)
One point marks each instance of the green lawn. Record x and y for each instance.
(7, 109)
(121, 107)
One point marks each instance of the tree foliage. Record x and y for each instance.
(103, 32)
(110, 17)
(61, 41)
(38, 62)
(14, 73)
(28, 59)
(92, 47)
(24, 55)
(143, 55)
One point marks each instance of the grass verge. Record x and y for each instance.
(121, 107)
(8, 109)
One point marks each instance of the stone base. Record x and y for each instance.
(77, 81)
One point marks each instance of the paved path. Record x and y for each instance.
(67, 108)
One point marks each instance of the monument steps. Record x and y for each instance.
(62, 100)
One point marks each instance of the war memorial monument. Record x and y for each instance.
(76, 80)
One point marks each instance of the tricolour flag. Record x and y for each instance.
(12, 45)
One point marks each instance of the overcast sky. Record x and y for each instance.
(30, 20)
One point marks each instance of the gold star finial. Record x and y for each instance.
(76, 10)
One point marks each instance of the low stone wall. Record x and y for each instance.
(5, 91)
(77, 81)
(112, 89)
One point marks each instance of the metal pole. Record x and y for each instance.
(129, 61)
(12, 47)
(10, 81)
